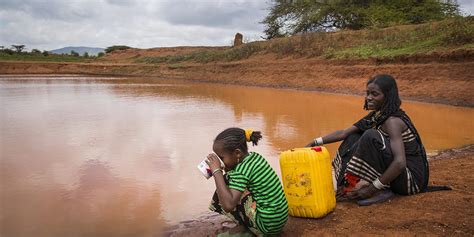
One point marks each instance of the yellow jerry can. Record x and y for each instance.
(307, 181)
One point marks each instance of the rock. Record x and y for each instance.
(238, 39)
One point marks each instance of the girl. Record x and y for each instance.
(250, 193)
(382, 151)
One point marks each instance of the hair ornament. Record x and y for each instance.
(248, 133)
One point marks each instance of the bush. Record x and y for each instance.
(284, 47)
(242, 52)
(459, 31)
(35, 51)
(329, 53)
(8, 51)
(74, 53)
(116, 47)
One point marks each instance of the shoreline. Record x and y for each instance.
(441, 80)
(284, 87)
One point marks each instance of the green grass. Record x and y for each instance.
(448, 35)
(42, 58)
(177, 66)
(379, 50)
(212, 55)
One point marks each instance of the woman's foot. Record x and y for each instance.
(341, 190)
(362, 183)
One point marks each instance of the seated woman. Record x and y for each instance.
(382, 152)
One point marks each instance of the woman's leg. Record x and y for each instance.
(343, 156)
(371, 158)
(406, 183)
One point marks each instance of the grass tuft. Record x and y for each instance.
(40, 57)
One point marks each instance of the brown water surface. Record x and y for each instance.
(96, 156)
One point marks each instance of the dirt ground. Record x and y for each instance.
(442, 213)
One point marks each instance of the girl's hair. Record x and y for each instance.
(234, 138)
(389, 89)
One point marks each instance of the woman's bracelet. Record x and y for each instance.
(318, 141)
(379, 185)
(216, 170)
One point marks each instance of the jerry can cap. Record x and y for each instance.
(317, 149)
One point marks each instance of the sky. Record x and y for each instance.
(53, 24)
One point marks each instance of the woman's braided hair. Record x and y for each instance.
(389, 88)
(234, 138)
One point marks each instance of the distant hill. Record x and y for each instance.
(81, 50)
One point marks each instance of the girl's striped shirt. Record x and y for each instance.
(255, 174)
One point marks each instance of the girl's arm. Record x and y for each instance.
(228, 198)
(336, 136)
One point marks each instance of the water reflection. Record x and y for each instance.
(84, 156)
(99, 204)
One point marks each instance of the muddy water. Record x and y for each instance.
(84, 156)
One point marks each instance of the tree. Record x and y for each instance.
(74, 53)
(36, 51)
(85, 55)
(289, 17)
(18, 48)
(100, 54)
(8, 51)
(115, 47)
(45, 53)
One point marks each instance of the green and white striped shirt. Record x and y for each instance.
(255, 174)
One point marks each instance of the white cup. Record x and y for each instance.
(205, 170)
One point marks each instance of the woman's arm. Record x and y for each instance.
(336, 136)
(228, 198)
(394, 127)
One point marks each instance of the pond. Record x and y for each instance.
(106, 156)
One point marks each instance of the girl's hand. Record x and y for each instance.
(213, 161)
(363, 193)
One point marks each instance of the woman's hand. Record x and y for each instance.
(363, 193)
(213, 161)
